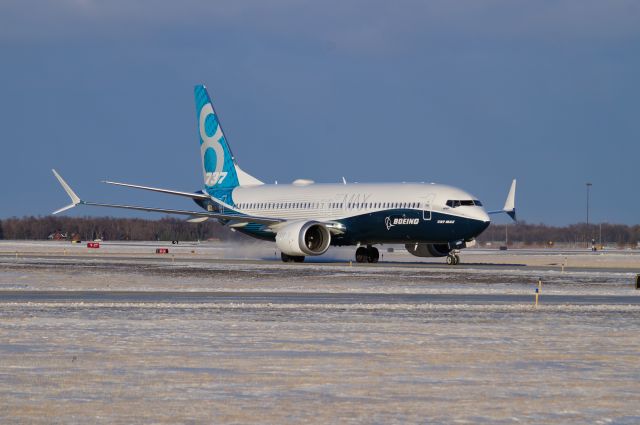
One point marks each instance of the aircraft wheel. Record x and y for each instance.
(457, 259)
(451, 260)
(373, 255)
(291, 258)
(286, 258)
(361, 255)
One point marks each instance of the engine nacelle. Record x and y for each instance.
(428, 249)
(303, 238)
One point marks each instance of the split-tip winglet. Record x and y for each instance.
(510, 203)
(75, 199)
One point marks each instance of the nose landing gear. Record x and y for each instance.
(453, 259)
(367, 255)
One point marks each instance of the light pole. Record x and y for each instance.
(588, 193)
(588, 190)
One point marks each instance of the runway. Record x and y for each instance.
(264, 253)
(302, 299)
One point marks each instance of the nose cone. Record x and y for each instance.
(482, 226)
(484, 216)
(477, 213)
(481, 220)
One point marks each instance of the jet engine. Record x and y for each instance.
(428, 249)
(303, 238)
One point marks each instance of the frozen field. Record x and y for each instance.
(552, 259)
(266, 342)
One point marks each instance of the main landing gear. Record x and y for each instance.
(453, 259)
(292, 258)
(367, 255)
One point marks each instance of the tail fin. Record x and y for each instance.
(218, 164)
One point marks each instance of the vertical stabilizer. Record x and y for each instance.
(218, 166)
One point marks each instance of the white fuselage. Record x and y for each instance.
(339, 201)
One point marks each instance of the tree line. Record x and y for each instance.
(110, 228)
(575, 234)
(168, 229)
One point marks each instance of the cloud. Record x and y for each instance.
(347, 25)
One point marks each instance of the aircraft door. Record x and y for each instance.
(426, 204)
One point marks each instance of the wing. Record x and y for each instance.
(237, 218)
(192, 195)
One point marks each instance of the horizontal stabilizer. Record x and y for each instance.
(197, 219)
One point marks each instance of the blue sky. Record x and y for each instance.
(470, 93)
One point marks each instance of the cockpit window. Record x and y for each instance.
(454, 203)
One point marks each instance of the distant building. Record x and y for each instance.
(57, 236)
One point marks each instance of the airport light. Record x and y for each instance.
(588, 190)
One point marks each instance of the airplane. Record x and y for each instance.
(305, 218)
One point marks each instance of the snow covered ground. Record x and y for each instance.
(261, 362)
